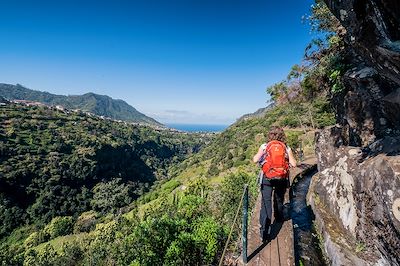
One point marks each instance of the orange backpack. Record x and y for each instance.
(276, 164)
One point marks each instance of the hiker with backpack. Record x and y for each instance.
(275, 159)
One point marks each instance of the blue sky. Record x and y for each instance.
(179, 61)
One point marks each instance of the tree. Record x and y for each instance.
(276, 91)
(110, 196)
(59, 226)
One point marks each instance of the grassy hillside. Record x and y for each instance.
(101, 105)
(54, 163)
(232, 151)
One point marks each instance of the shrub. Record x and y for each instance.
(292, 138)
(231, 192)
(210, 234)
(191, 207)
(59, 226)
(213, 170)
(86, 222)
(110, 196)
(71, 254)
(32, 240)
(325, 119)
(289, 121)
(324, 114)
(171, 185)
(238, 163)
(183, 251)
(45, 256)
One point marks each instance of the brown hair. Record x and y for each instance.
(276, 133)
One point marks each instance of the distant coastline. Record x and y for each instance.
(198, 127)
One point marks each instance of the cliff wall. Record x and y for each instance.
(356, 197)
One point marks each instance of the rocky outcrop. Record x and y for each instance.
(373, 30)
(371, 106)
(356, 198)
(361, 195)
(368, 107)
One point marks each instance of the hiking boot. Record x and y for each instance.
(265, 238)
(265, 235)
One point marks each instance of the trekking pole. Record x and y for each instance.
(244, 226)
(233, 225)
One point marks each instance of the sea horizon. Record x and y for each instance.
(198, 127)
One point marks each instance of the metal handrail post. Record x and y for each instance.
(244, 224)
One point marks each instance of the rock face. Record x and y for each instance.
(374, 32)
(363, 195)
(359, 159)
(372, 105)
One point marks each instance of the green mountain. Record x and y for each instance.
(101, 105)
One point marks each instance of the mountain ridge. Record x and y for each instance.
(259, 113)
(102, 105)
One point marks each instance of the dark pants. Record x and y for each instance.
(279, 187)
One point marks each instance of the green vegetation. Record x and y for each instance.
(58, 164)
(101, 105)
(188, 228)
(78, 190)
(360, 247)
(59, 226)
(233, 149)
(325, 63)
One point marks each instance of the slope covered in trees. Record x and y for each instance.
(54, 163)
(101, 105)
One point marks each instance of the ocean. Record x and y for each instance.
(198, 128)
